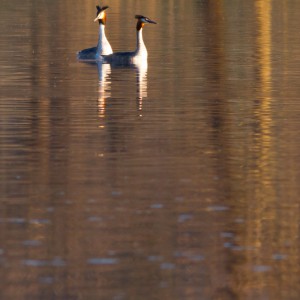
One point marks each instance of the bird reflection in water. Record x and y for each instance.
(104, 72)
(141, 83)
(104, 77)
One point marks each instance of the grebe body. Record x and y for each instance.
(103, 47)
(134, 57)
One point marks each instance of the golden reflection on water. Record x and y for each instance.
(263, 109)
(262, 216)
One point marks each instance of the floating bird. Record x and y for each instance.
(140, 54)
(103, 47)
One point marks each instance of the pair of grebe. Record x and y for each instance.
(103, 51)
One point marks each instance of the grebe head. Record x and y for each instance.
(101, 14)
(142, 20)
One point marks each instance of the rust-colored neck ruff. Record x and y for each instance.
(139, 25)
(103, 20)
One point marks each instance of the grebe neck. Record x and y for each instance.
(103, 47)
(140, 46)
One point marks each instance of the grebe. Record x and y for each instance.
(140, 54)
(103, 47)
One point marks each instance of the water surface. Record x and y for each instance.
(175, 181)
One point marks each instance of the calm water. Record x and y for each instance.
(176, 181)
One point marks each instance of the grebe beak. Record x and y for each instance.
(151, 22)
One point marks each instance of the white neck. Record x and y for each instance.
(103, 47)
(140, 46)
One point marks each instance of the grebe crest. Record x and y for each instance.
(101, 14)
(142, 20)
